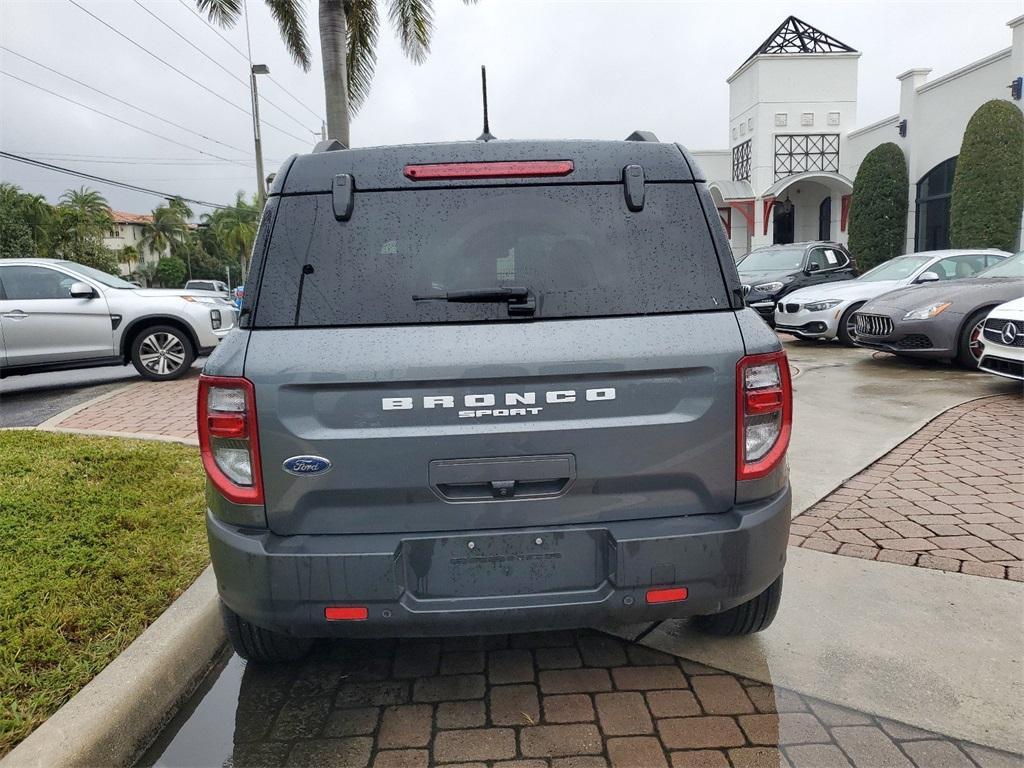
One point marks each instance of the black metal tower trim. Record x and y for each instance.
(796, 36)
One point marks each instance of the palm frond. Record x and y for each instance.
(223, 12)
(290, 16)
(361, 18)
(413, 21)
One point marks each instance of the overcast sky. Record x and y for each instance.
(555, 69)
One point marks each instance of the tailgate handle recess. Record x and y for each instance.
(502, 479)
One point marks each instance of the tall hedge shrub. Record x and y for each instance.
(878, 210)
(988, 189)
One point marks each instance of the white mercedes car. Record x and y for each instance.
(57, 315)
(825, 311)
(1003, 341)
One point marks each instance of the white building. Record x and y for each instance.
(795, 146)
(127, 230)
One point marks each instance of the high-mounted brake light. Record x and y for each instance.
(764, 414)
(228, 439)
(491, 170)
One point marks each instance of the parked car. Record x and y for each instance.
(942, 320)
(775, 271)
(1003, 341)
(56, 315)
(215, 286)
(826, 311)
(496, 392)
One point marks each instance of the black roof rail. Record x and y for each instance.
(328, 145)
(642, 136)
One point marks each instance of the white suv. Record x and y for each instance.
(57, 315)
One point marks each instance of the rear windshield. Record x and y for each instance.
(578, 250)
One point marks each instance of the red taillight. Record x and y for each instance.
(230, 425)
(764, 413)
(346, 613)
(228, 439)
(492, 170)
(667, 595)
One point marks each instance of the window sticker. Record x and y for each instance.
(831, 257)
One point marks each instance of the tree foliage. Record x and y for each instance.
(878, 210)
(988, 188)
(349, 23)
(171, 272)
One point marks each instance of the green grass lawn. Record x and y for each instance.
(97, 537)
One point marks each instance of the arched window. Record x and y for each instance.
(933, 195)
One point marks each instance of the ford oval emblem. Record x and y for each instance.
(306, 465)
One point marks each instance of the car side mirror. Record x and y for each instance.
(927, 277)
(82, 291)
(812, 267)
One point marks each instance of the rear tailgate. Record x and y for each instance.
(614, 400)
(621, 418)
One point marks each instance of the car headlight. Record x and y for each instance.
(201, 299)
(769, 287)
(927, 313)
(819, 306)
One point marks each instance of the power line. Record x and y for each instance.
(181, 162)
(241, 53)
(122, 101)
(218, 64)
(119, 120)
(188, 77)
(112, 182)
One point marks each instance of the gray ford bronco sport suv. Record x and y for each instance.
(489, 387)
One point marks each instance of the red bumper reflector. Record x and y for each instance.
(227, 425)
(499, 170)
(346, 613)
(668, 595)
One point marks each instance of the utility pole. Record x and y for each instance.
(261, 190)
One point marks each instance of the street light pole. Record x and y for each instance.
(258, 69)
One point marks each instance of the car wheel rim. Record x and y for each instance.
(975, 344)
(162, 353)
(851, 327)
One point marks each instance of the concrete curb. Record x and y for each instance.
(112, 719)
(126, 435)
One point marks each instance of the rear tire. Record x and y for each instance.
(162, 353)
(964, 354)
(746, 618)
(259, 645)
(845, 333)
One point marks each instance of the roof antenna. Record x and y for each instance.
(486, 135)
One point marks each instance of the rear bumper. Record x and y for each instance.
(284, 583)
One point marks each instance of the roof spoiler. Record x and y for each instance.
(642, 136)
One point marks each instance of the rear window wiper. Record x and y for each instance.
(519, 299)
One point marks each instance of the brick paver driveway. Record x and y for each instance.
(558, 700)
(161, 409)
(950, 497)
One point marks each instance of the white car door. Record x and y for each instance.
(41, 321)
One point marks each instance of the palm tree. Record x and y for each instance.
(235, 228)
(128, 254)
(167, 230)
(89, 203)
(348, 43)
